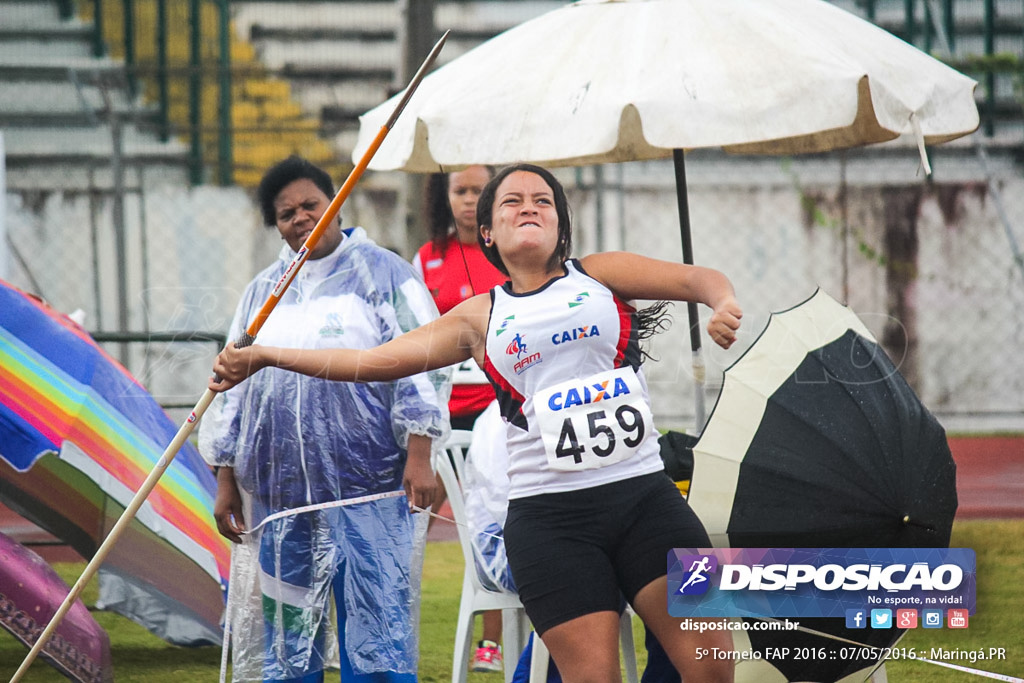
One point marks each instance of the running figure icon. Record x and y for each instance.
(697, 570)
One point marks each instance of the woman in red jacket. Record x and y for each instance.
(454, 268)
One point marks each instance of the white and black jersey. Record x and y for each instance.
(565, 364)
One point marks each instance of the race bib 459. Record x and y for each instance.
(593, 422)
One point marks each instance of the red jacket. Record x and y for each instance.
(452, 276)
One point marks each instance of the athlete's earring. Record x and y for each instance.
(487, 241)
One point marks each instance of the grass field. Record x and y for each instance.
(999, 623)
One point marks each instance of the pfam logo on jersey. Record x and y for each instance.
(817, 582)
(525, 359)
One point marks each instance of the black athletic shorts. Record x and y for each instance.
(578, 552)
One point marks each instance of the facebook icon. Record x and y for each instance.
(856, 618)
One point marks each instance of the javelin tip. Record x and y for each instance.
(415, 82)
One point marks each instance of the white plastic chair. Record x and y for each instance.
(477, 599)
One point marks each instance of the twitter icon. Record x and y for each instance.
(881, 618)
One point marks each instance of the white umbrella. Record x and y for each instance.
(602, 81)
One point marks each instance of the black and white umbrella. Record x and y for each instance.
(817, 441)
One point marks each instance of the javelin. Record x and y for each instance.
(246, 340)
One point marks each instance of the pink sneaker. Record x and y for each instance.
(487, 658)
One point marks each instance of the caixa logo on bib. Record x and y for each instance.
(588, 393)
(817, 582)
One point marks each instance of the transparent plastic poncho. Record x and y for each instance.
(296, 441)
(487, 487)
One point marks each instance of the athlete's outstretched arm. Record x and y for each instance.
(632, 276)
(452, 338)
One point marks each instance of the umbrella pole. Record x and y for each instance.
(679, 165)
(246, 340)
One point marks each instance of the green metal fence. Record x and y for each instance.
(160, 71)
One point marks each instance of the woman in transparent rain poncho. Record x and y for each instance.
(283, 440)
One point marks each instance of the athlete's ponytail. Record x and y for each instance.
(651, 321)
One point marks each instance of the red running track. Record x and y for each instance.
(989, 476)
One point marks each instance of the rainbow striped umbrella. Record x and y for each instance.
(78, 436)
